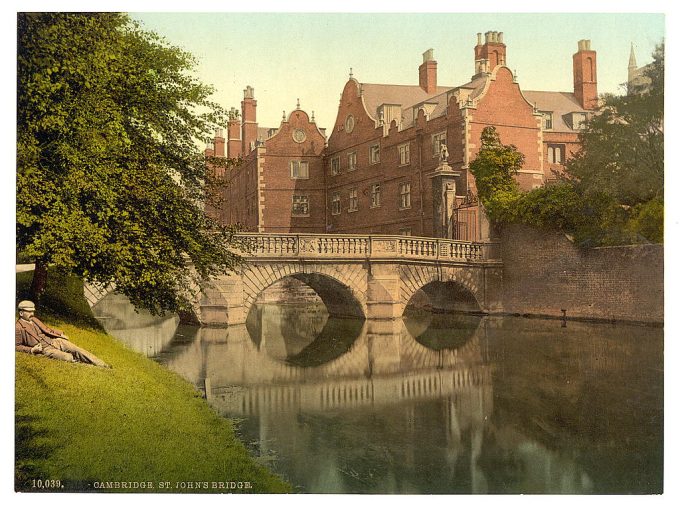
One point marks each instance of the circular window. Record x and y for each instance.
(299, 135)
(349, 124)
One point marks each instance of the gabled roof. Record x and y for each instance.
(409, 96)
(560, 103)
(406, 96)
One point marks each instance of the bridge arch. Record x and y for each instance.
(340, 289)
(444, 289)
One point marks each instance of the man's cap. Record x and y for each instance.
(26, 305)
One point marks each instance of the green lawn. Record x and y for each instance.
(137, 422)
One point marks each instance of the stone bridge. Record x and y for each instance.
(364, 276)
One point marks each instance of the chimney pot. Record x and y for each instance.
(479, 38)
(428, 55)
(500, 36)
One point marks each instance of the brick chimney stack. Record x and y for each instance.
(490, 54)
(219, 143)
(233, 134)
(585, 75)
(249, 120)
(428, 72)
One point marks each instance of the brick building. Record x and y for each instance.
(381, 168)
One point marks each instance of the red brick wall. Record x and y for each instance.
(544, 273)
(571, 144)
(278, 187)
(504, 107)
(388, 218)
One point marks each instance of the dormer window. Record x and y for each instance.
(579, 120)
(547, 120)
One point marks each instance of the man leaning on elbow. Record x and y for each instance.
(33, 336)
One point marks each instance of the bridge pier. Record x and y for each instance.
(384, 289)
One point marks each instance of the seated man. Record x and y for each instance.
(32, 336)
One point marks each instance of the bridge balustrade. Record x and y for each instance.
(303, 245)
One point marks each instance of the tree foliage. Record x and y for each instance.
(612, 190)
(110, 181)
(494, 169)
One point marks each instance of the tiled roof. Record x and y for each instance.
(408, 96)
(263, 133)
(560, 103)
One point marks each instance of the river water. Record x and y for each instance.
(429, 403)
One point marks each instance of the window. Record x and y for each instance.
(300, 205)
(556, 154)
(547, 119)
(404, 195)
(353, 200)
(404, 154)
(374, 154)
(335, 204)
(405, 231)
(437, 141)
(351, 161)
(375, 195)
(579, 120)
(335, 166)
(299, 169)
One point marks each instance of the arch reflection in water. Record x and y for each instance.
(521, 406)
(305, 336)
(442, 331)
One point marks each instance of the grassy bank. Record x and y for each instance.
(137, 422)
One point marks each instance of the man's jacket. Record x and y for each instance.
(27, 335)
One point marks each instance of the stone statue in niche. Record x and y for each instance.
(443, 153)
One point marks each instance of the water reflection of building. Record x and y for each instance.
(367, 407)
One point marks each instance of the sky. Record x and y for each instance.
(286, 56)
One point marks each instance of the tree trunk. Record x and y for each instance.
(39, 282)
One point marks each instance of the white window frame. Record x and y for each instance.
(553, 151)
(353, 200)
(296, 170)
(375, 195)
(351, 161)
(404, 196)
(374, 154)
(300, 200)
(404, 154)
(336, 204)
(437, 140)
(547, 120)
(579, 119)
(335, 166)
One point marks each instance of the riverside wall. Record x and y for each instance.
(544, 273)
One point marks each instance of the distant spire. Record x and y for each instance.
(298, 104)
(350, 73)
(632, 63)
(313, 117)
(284, 115)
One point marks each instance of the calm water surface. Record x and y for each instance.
(428, 403)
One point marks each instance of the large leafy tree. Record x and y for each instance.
(110, 180)
(621, 163)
